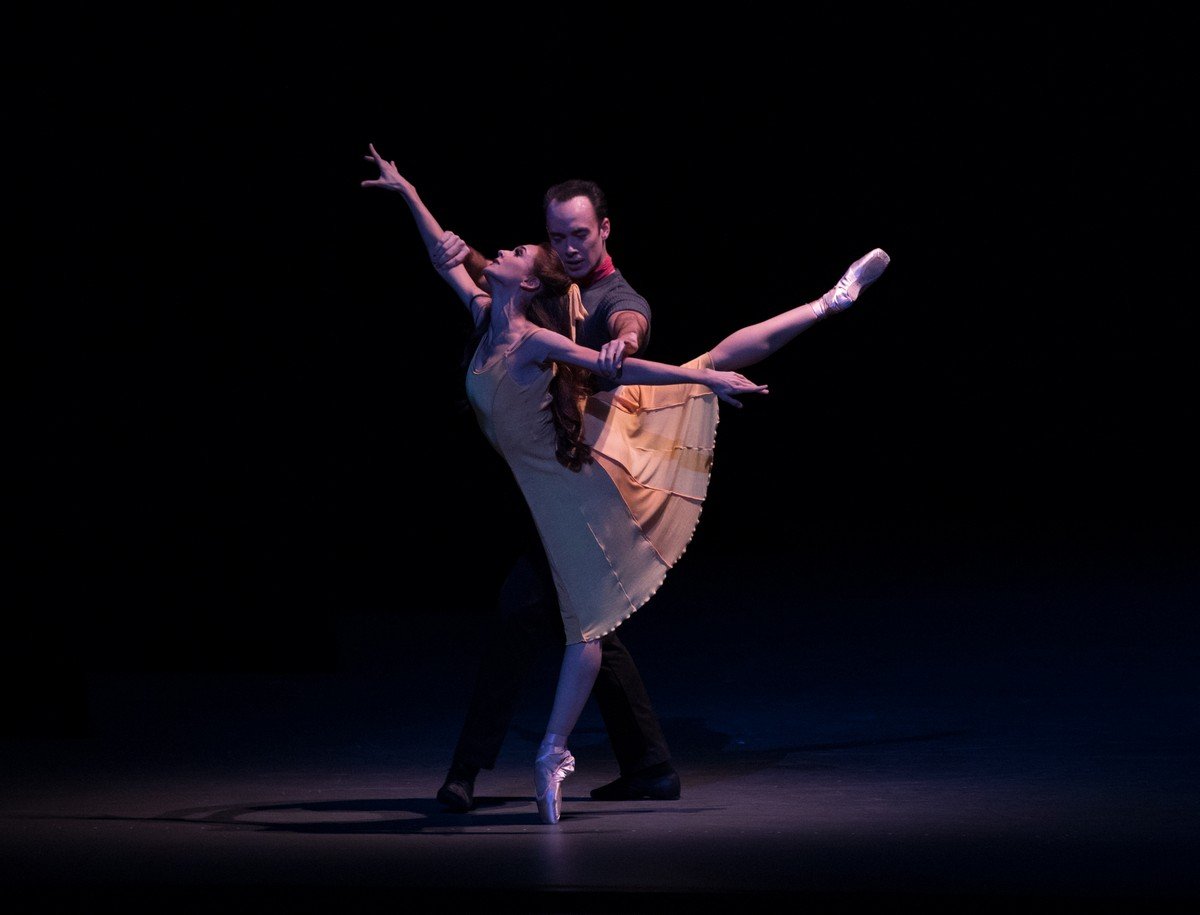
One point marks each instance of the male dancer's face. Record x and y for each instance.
(576, 236)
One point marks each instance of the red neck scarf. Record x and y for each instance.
(599, 272)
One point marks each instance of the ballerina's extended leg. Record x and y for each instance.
(758, 341)
(861, 274)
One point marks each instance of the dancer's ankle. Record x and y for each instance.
(460, 771)
(553, 743)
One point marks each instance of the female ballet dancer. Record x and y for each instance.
(615, 480)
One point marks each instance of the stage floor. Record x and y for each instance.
(835, 755)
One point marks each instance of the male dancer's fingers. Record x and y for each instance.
(444, 261)
(447, 250)
(604, 366)
(611, 356)
(618, 353)
(452, 244)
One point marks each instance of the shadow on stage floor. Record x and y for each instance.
(977, 745)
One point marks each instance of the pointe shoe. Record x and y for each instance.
(549, 771)
(858, 276)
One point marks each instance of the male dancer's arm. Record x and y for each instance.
(627, 331)
(452, 249)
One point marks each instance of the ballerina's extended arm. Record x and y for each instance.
(743, 347)
(477, 300)
(546, 344)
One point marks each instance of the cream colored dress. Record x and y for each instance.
(612, 530)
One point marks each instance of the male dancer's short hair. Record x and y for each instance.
(578, 187)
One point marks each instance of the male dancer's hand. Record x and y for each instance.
(450, 251)
(628, 329)
(612, 355)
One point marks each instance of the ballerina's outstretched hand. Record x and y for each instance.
(728, 385)
(389, 178)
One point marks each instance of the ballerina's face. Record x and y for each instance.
(514, 268)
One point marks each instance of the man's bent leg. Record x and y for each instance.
(636, 735)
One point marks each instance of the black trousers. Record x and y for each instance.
(528, 622)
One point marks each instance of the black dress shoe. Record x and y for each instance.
(458, 791)
(664, 787)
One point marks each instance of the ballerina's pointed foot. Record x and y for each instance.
(549, 772)
(858, 276)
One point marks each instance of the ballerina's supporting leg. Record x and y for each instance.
(554, 762)
(758, 341)
(580, 665)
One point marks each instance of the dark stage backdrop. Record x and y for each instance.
(238, 412)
